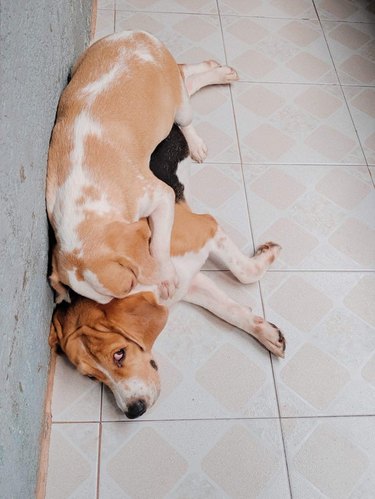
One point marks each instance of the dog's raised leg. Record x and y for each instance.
(195, 77)
(206, 73)
(206, 294)
(160, 215)
(247, 270)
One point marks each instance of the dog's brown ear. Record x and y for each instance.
(55, 333)
(139, 317)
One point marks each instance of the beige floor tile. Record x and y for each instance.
(72, 466)
(277, 50)
(298, 9)
(219, 190)
(328, 321)
(352, 46)
(322, 216)
(298, 124)
(207, 367)
(333, 457)
(190, 38)
(105, 23)
(346, 10)
(213, 119)
(361, 102)
(190, 6)
(210, 459)
(75, 397)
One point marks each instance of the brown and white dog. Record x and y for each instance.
(125, 94)
(112, 342)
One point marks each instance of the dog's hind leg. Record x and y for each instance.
(183, 118)
(206, 294)
(247, 270)
(206, 73)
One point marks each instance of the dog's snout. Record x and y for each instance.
(136, 409)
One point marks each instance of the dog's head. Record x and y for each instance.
(112, 343)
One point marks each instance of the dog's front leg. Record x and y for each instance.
(161, 222)
(205, 293)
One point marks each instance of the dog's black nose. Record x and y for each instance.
(136, 409)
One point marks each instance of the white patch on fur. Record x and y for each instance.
(101, 84)
(68, 212)
(89, 287)
(144, 54)
(133, 389)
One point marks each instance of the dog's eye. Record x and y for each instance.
(119, 357)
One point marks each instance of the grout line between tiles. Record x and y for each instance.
(342, 90)
(99, 444)
(277, 401)
(232, 418)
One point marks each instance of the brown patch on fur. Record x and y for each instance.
(190, 231)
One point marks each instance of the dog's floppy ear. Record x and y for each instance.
(139, 317)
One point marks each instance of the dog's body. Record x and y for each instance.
(112, 342)
(125, 93)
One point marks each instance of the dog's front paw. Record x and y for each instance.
(169, 282)
(270, 336)
(198, 150)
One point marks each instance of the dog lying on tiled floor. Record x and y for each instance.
(112, 342)
(125, 94)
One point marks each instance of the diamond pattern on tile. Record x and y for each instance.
(277, 188)
(297, 244)
(309, 125)
(75, 397)
(219, 190)
(331, 143)
(252, 464)
(352, 47)
(277, 50)
(344, 189)
(230, 377)
(213, 120)
(261, 100)
(330, 461)
(302, 294)
(190, 38)
(197, 446)
(361, 102)
(191, 6)
(346, 10)
(356, 240)
(308, 218)
(321, 370)
(318, 102)
(299, 9)
(72, 461)
(164, 461)
(368, 371)
(105, 24)
(361, 299)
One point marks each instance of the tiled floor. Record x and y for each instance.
(291, 158)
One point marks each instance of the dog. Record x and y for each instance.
(113, 342)
(125, 93)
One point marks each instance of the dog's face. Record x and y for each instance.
(112, 343)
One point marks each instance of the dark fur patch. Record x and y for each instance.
(166, 157)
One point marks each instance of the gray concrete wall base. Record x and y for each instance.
(39, 41)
